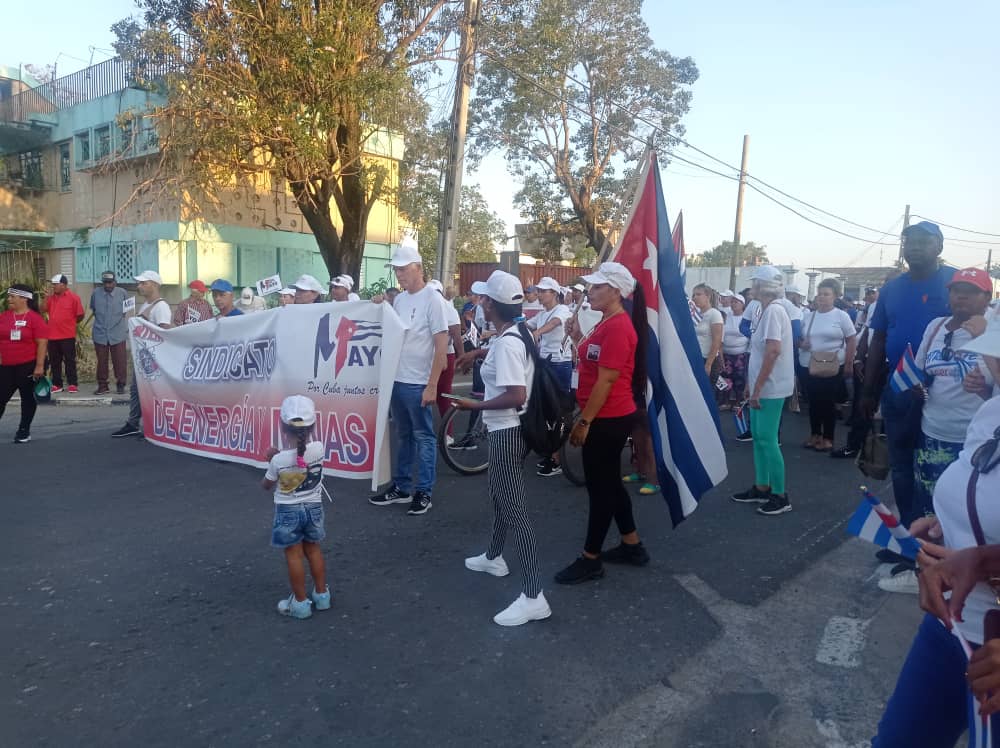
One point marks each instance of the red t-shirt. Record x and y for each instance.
(612, 345)
(13, 352)
(63, 309)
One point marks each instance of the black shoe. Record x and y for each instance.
(752, 496)
(102, 391)
(890, 557)
(120, 389)
(466, 442)
(777, 505)
(844, 453)
(549, 469)
(22, 437)
(420, 504)
(905, 565)
(626, 553)
(582, 570)
(392, 496)
(746, 436)
(126, 430)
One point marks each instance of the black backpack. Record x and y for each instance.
(548, 417)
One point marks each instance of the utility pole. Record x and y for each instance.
(452, 197)
(906, 222)
(734, 263)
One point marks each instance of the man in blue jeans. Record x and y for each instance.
(423, 357)
(906, 305)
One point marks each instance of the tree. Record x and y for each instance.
(573, 90)
(296, 89)
(721, 255)
(422, 192)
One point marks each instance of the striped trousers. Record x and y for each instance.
(506, 486)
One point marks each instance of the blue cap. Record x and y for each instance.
(927, 227)
(221, 285)
(468, 307)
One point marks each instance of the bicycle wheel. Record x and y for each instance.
(571, 459)
(463, 442)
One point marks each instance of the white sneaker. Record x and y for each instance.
(522, 610)
(905, 582)
(497, 566)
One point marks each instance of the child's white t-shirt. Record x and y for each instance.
(297, 485)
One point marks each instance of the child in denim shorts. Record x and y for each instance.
(296, 476)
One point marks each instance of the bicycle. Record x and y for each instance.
(468, 454)
(571, 458)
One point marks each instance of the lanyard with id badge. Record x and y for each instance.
(15, 331)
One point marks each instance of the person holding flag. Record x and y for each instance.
(611, 356)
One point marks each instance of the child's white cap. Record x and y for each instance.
(298, 410)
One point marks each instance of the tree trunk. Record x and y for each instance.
(330, 243)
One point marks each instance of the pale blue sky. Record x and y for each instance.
(857, 107)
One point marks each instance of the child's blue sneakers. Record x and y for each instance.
(321, 601)
(295, 608)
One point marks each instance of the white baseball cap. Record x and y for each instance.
(149, 275)
(307, 283)
(793, 289)
(548, 284)
(343, 281)
(60, 278)
(502, 287)
(579, 287)
(246, 293)
(298, 410)
(405, 254)
(287, 291)
(739, 298)
(614, 274)
(727, 293)
(436, 285)
(768, 274)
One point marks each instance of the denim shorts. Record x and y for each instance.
(295, 523)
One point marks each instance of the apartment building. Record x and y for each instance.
(74, 151)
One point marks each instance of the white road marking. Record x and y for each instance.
(842, 642)
(828, 729)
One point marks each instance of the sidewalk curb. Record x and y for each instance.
(86, 401)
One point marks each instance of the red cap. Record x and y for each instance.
(198, 285)
(974, 277)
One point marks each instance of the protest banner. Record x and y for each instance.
(215, 388)
(270, 284)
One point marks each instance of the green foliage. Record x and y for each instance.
(573, 144)
(298, 90)
(422, 191)
(374, 289)
(721, 255)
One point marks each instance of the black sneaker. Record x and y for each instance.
(392, 496)
(466, 442)
(777, 505)
(746, 436)
(543, 463)
(22, 437)
(420, 504)
(126, 430)
(844, 453)
(625, 553)
(549, 469)
(886, 556)
(582, 570)
(752, 496)
(120, 389)
(102, 391)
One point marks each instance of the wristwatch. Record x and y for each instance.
(583, 422)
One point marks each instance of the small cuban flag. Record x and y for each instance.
(874, 522)
(907, 375)
(742, 418)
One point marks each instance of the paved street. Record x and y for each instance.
(138, 594)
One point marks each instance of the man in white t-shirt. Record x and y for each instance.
(156, 310)
(421, 361)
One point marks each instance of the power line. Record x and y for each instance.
(863, 252)
(957, 228)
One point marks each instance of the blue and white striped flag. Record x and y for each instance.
(683, 417)
(874, 522)
(907, 375)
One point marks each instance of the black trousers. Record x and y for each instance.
(17, 378)
(824, 394)
(602, 467)
(63, 351)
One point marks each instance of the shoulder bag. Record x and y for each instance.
(984, 460)
(822, 364)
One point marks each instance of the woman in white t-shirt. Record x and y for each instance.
(507, 374)
(735, 350)
(769, 381)
(958, 382)
(709, 328)
(826, 330)
(936, 677)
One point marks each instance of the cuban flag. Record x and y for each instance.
(874, 522)
(907, 375)
(683, 419)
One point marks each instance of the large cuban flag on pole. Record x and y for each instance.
(683, 418)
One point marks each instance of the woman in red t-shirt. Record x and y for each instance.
(608, 359)
(23, 340)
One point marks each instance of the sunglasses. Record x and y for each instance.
(947, 354)
(987, 457)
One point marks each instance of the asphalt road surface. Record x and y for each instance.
(138, 593)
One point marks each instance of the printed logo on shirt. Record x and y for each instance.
(593, 352)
